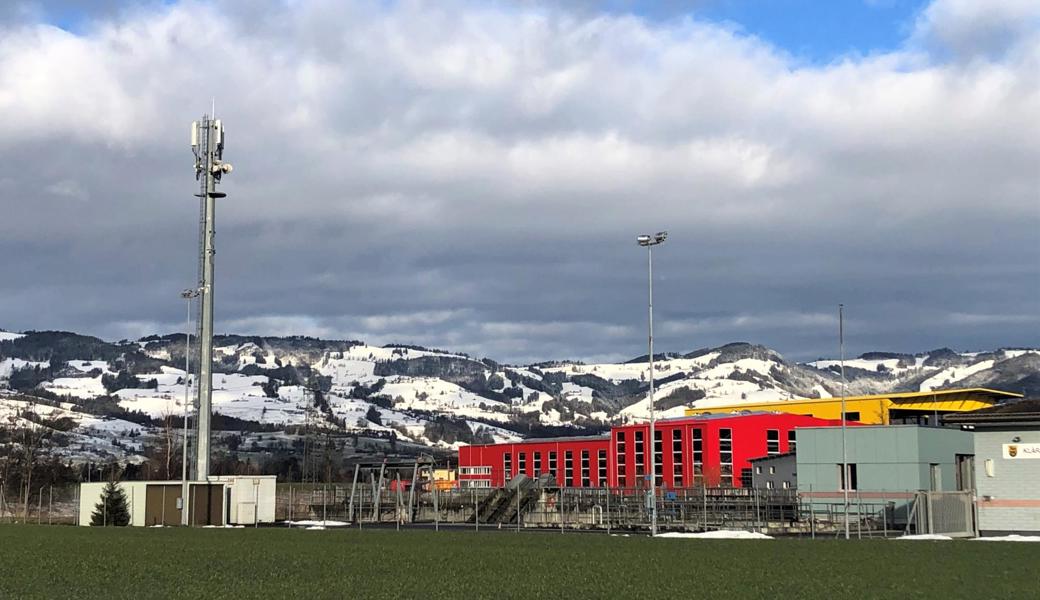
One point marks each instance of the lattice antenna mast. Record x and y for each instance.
(207, 143)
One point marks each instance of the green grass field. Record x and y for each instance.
(76, 562)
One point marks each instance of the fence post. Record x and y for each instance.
(812, 515)
(608, 510)
(704, 502)
(39, 507)
(559, 507)
(928, 507)
(884, 515)
(50, 505)
(859, 515)
(436, 511)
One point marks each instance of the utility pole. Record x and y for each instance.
(649, 242)
(207, 142)
(188, 295)
(844, 447)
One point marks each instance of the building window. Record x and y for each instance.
(769, 484)
(852, 415)
(552, 464)
(474, 483)
(585, 469)
(658, 457)
(507, 465)
(475, 471)
(726, 456)
(791, 441)
(640, 463)
(772, 442)
(622, 479)
(786, 485)
(568, 468)
(521, 463)
(758, 470)
(601, 460)
(852, 477)
(698, 456)
(537, 464)
(772, 470)
(746, 479)
(677, 478)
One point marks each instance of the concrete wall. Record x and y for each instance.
(893, 457)
(1013, 491)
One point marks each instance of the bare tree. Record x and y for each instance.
(33, 436)
(169, 435)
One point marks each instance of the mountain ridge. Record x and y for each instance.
(435, 398)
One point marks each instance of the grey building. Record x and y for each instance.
(1007, 466)
(777, 472)
(897, 458)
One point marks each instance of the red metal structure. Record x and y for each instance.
(705, 450)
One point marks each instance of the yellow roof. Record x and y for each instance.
(895, 397)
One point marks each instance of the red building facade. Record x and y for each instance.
(573, 461)
(705, 450)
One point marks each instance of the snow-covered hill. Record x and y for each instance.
(436, 398)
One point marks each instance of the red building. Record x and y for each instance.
(705, 450)
(573, 461)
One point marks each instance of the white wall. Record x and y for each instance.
(249, 493)
(90, 496)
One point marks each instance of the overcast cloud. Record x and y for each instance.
(473, 176)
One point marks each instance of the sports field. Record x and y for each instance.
(71, 562)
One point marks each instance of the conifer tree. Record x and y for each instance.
(112, 510)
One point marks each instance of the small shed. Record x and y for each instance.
(224, 500)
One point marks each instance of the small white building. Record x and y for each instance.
(1007, 466)
(223, 500)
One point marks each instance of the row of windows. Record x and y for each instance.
(568, 458)
(725, 453)
(697, 451)
(475, 471)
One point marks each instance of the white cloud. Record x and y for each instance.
(472, 174)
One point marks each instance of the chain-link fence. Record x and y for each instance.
(533, 505)
(870, 514)
(48, 504)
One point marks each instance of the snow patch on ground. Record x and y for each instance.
(9, 365)
(310, 523)
(925, 537)
(8, 335)
(719, 535)
(1010, 538)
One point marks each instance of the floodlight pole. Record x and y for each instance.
(844, 446)
(649, 242)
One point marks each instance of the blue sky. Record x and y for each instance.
(817, 31)
(821, 30)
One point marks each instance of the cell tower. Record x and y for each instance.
(207, 143)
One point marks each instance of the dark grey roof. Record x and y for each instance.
(772, 457)
(1021, 411)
